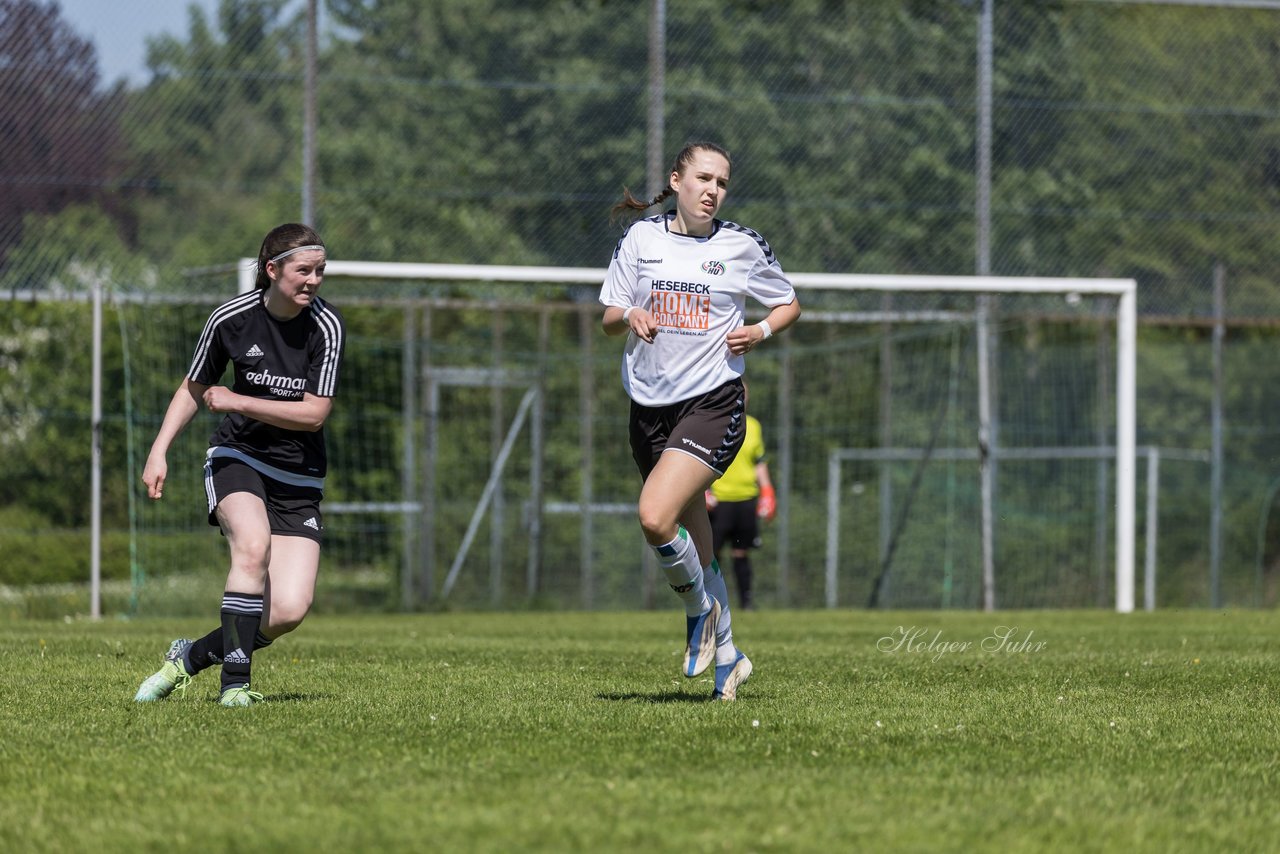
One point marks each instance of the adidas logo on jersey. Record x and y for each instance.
(312, 524)
(237, 657)
(255, 351)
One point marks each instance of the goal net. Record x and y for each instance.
(935, 442)
(994, 464)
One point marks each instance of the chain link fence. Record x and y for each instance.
(1123, 140)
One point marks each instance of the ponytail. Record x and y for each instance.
(631, 203)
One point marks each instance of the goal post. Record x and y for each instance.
(1126, 292)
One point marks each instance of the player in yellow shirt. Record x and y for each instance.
(736, 501)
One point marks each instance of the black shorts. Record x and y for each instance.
(709, 428)
(736, 522)
(292, 511)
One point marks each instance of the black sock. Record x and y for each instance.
(207, 651)
(742, 572)
(241, 618)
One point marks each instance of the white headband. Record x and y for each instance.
(292, 251)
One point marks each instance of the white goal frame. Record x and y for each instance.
(1125, 290)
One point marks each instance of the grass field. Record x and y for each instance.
(574, 731)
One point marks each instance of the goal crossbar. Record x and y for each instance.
(517, 274)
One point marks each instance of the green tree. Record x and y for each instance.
(215, 135)
(495, 131)
(70, 250)
(57, 131)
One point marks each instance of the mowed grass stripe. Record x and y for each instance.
(572, 731)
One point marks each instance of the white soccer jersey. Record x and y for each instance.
(696, 289)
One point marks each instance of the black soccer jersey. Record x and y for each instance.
(274, 360)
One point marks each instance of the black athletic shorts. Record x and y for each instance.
(736, 523)
(709, 428)
(292, 511)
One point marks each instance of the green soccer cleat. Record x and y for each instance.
(239, 696)
(171, 675)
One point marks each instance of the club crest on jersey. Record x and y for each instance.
(715, 268)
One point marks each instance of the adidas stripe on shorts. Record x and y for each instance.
(292, 511)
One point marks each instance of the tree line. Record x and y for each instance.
(1132, 141)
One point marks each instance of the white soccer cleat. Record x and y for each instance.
(729, 677)
(700, 640)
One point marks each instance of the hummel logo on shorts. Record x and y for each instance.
(312, 524)
(255, 350)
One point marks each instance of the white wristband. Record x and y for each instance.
(765, 328)
(626, 313)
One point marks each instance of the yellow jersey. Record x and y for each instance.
(738, 483)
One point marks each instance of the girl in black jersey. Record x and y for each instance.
(265, 468)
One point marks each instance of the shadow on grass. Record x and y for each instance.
(297, 698)
(663, 697)
(288, 698)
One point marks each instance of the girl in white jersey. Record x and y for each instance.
(677, 286)
(264, 471)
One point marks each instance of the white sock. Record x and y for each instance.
(679, 561)
(726, 652)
